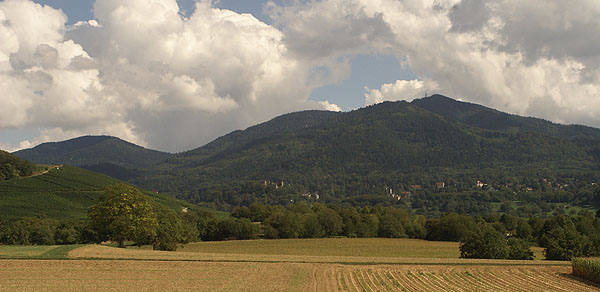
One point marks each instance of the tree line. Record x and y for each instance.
(123, 214)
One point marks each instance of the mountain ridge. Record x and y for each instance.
(106, 154)
(372, 154)
(388, 145)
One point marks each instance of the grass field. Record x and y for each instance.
(281, 265)
(36, 251)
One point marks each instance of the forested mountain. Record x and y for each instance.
(433, 155)
(104, 154)
(237, 140)
(383, 152)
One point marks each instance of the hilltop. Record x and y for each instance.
(105, 154)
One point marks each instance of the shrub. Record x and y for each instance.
(587, 268)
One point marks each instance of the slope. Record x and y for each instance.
(64, 192)
(391, 145)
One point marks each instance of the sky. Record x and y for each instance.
(174, 75)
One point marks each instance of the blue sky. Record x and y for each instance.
(153, 73)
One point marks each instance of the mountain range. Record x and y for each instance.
(383, 149)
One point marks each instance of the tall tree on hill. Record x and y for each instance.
(124, 213)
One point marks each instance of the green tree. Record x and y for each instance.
(518, 249)
(171, 230)
(32, 230)
(67, 234)
(486, 243)
(124, 213)
(330, 221)
(392, 221)
(450, 227)
(312, 227)
(368, 225)
(562, 240)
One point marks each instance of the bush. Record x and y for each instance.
(587, 268)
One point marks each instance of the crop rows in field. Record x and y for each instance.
(64, 179)
(61, 193)
(344, 273)
(448, 278)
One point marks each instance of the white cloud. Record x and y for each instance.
(330, 106)
(536, 57)
(143, 72)
(400, 90)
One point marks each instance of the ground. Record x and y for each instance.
(278, 265)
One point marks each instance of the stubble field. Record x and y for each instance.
(286, 265)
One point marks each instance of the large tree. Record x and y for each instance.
(124, 213)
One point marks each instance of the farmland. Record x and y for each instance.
(63, 193)
(282, 265)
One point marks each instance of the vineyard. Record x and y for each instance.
(62, 193)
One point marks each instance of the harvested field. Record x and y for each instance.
(105, 252)
(360, 247)
(106, 275)
(455, 278)
(290, 265)
(139, 275)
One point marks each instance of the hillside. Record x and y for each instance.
(64, 192)
(12, 166)
(427, 155)
(374, 154)
(238, 140)
(109, 155)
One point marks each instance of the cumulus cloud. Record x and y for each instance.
(534, 57)
(400, 90)
(330, 106)
(143, 72)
